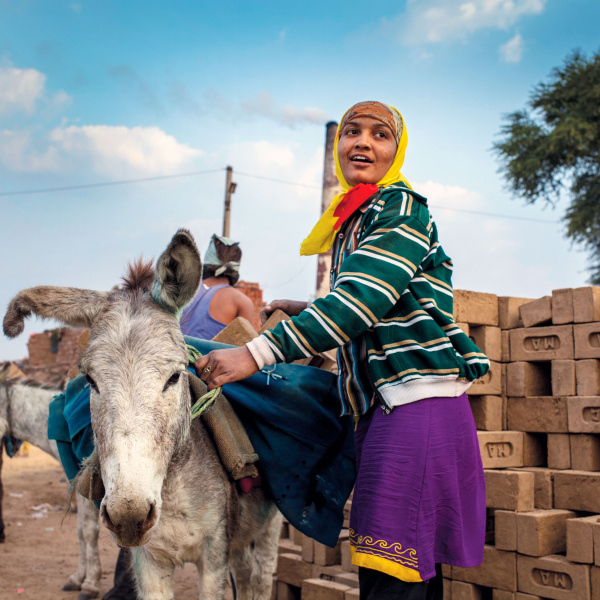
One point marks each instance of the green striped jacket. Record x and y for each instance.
(392, 295)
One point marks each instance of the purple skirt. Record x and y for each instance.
(419, 497)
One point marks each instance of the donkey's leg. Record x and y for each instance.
(214, 568)
(264, 557)
(91, 529)
(154, 580)
(76, 579)
(2, 537)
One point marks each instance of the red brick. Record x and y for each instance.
(490, 384)
(285, 591)
(584, 414)
(577, 490)
(585, 452)
(505, 528)
(508, 311)
(487, 412)
(349, 579)
(354, 594)
(543, 532)
(580, 539)
(542, 343)
(238, 333)
(502, 595)
(308, 549)
(324, 555)
(319, 589)
(542, 414)
(447, 589)
(587, 340)
(563, 378)
(587, 375)
(509, 490)
(501, 449)
(527, 379)
(537, 312)
(488, 340)
(586, 304)
(286, 546)
(475, 308)
(465, 327)
(347, 557)
(466, 591)
(562, 306)
(553, 577)
(595, 582)
(498, 570)
(559, 451)
(505, 341)
(291, 569)
(543, 486)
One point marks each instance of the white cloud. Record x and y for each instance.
(264, 105)
(512, 51)
(442, 20)
(452, 199)
(107, 150)
(20, 89)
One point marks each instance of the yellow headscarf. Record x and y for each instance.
(322, 235)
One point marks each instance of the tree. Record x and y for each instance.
(555, 147)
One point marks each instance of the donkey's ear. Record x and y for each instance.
(71, 306)
(178, 273)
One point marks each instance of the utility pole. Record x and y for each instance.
(331, 187)
(229, 189)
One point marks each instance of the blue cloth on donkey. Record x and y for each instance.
(291, 415)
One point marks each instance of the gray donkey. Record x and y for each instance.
(166, 493)
(24, 408)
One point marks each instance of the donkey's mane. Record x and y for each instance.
(139, 276)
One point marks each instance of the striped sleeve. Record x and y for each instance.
(370, 282)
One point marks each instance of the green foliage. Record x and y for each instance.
(554, 147)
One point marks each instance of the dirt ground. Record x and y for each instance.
(40, 552)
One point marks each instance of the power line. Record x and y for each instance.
(294, 183)
(106, 183)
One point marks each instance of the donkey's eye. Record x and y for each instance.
(91, 382)
(172, 380)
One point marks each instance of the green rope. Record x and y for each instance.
(207, 399)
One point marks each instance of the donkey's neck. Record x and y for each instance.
(27, 414)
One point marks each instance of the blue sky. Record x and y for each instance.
(97, 91)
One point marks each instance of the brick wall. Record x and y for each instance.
(253, 291)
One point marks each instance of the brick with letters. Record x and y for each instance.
(587, 340)
(490, 384)
(501, 449)
(542, 343)
(553, 577)
(584, 414)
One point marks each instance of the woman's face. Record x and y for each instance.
(366, 150)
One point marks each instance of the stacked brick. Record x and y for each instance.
(538, 419)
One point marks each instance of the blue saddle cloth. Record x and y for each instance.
(292, 418)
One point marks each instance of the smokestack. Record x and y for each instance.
(331, 187)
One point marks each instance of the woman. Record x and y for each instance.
(404, 366)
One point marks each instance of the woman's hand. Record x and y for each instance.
(225, 366)
(291, 308)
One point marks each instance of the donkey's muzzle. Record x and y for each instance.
(129, 520)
